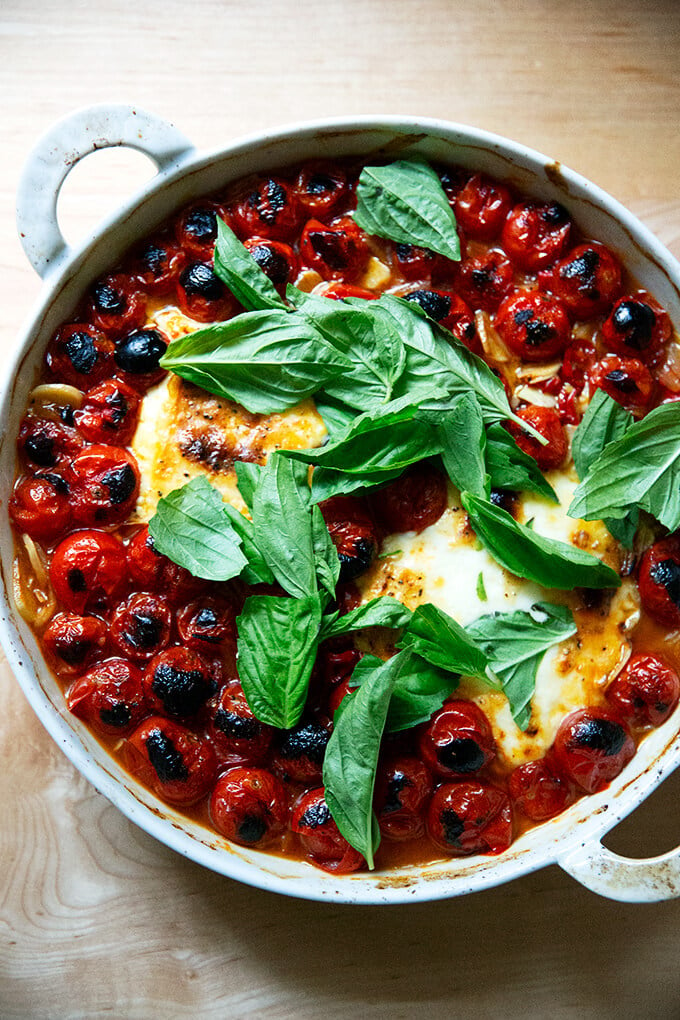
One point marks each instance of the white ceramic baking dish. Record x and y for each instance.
(573, 839)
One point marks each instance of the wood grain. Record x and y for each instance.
(98, 920)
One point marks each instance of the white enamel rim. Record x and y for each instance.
(573, 840)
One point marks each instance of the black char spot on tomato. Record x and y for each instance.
(76, 580)
(667, 574)
(107, 299)
(555, 214)
(82, 352)
(121, 483)
(140, 351)
(599, 735)
(252, 829)
(355, 563)
(182, 691)
(200, 280)
(452, 826)
(271, 262)
(635, 321)
(144, 632)
(316, 815)
(437, 306)
(462, 754)
(239, 727)
(165, 758)
(40, 449)
(307, 740)
(392, 801)
(201, 224)
(117, 715)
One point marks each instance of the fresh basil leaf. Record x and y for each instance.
(351, 759)
(463, 444)
(440, 640)
(605, 420)
(516, 643)
(267, 361)
(520, 550)
(190, 528)
(247, 478)
(282, 526)
(640, 469)
(327, 483)
(512, 468)
(277, 643)
(325, 553)
(236, 267)
(383, 611)
(256, 571)
(419, 692)
(335, 415)
(406, 202)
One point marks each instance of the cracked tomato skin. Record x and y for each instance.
(659, 581)
(140, 626)
(546, 421)
(337, 252)
(177, 765)
(108, 414)
(88, 571)
(458, 740)
(249, 806)
(592, 747)
(74, 642)
(155, 265)
(470, 817)
(645, 692)
(270, 208)
(109, 697)
(48, 444)
(534, 326)
(117, 304)
(320, 188)
(320, 837)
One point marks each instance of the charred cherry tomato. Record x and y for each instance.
(320, 188)
(538, 791)
(176, 764)
(412, 502)
(458, 740)
(105, 485)
(534, 326)
(586, 280)
(339, 291)
(140, 627)
(40, 506)
(108, 413)
(637, 326)
(481, 207)
(88, 571)
(46, 444)
(402, 790)
(485, 280)
(249, 806)
(206, 623)
(178, 682)
(233, 728)
(300, 751)
(338, 251)
(137, 356)
(645, 692)
(579, 358)
(353, 533)
(73, 642)
(469, 818)
(155, 572)
(536, 234)
(196, 229)
(269, 209)
(546, 421)
(592, 747)
(414, 263)
(320, 837)
(277, 260)
(659, 581)
(117, 304)
(109, 697)
(626, 380)
(201, 294)
(453, 179)
(450, 311)
(155, 266)
(80, 355)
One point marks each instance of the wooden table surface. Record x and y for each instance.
(96, 918)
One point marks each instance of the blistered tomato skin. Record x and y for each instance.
(592, 747)
(40, 506)
(46, 444)
(485, 280)
(175, 763)
(178, 682)
(196, 229)
(536, 234)
(109, 697)
(140, 626)
(205, 624)
(234, 730)
(659, 581)
(626, 380)
(277, 260)
(117, 304)
(269, 209)
(534, 326)
(412, 502)
(337, 252)
(645, 692)
(155, 266)
(74, 642)
(320, 837)
(450, 311)
(105, 485)
(546, 421)
(469, 817)
(538, 791)
(353, 532)
(300, 751)
(249, 806)
(88, 571)
(458, 740)
(80, 355)
(402, 790)
(320, 188)
(414, 263)
(481, 207)
(586, 280)
(108, 413)
(201, 294)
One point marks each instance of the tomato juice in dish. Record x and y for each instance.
(493, 678)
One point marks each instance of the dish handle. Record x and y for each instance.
(65, 144)
(626, 879)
